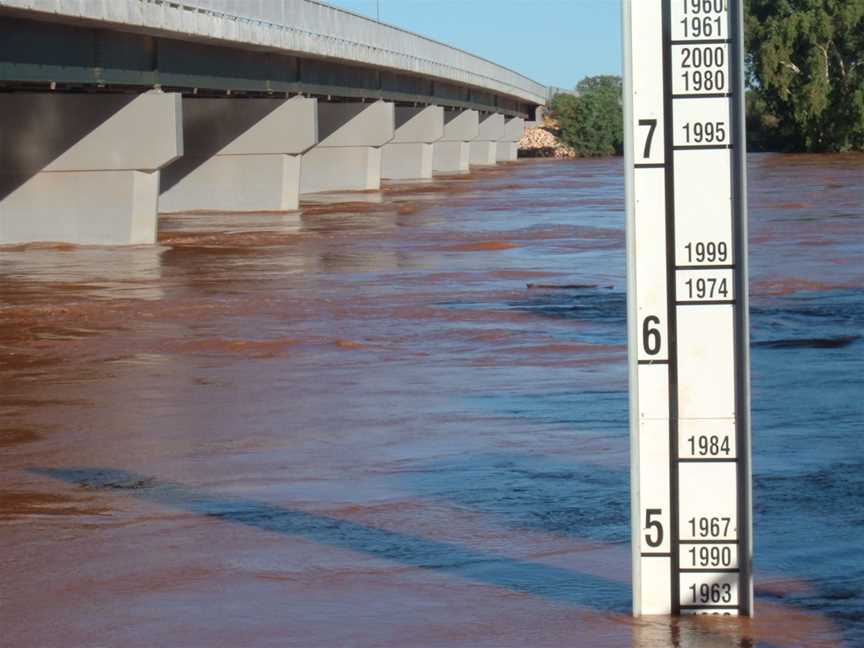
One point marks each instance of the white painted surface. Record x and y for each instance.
(656, 586)
(703, 200)
(695, 555)
(706, 371)
(683, 10)
(707, 493)
(690, 79)
(649, 197)
(653, 392)
(703, 285)
(647, 81)
(712, 438)
(710, 589)
(702, 479)
(654, 485)
(650, 434)
(702, 121)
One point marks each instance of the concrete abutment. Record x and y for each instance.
(98, 168)
(452, 153)
(484, 147)
(348, 154)
(507, 148)
(409, 154)
(240, 154)
(84, 168)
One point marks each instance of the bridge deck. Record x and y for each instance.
(296, 46)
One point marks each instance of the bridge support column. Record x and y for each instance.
(484, 146)
(538, 120)
(452, 153)
(84, 169)
(348, 154)
(507, 149)
(409, 154)
(241, 154)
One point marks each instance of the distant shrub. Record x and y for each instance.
(592, 121)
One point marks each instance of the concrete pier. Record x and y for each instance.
(85, 168)
(409, 154)
(507, 148)
(348, 154)
(452, 153)
(240, 154)
(484, 146)
(93, 147)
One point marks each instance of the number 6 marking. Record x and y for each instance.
(652, 125)
(651, 339)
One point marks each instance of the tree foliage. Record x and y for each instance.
(591, 121)
(806, 73)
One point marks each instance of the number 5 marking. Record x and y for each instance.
(653, 525)
(652, 125)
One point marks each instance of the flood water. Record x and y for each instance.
(402, 422)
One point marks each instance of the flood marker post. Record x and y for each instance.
(688, 328)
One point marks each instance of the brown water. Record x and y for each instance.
(402, 422)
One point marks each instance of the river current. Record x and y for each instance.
(401, 421)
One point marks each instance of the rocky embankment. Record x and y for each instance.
(543, 141)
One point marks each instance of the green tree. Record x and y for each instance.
(591, 121)
(806, 73)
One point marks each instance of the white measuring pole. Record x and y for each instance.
(687, 307)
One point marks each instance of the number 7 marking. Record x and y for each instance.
(652, 124)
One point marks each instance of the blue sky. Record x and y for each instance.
(555, 42)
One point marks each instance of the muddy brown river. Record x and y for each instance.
(401, 421)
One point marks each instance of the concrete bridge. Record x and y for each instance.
(114, 110)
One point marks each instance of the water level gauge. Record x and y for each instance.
(687, 306)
